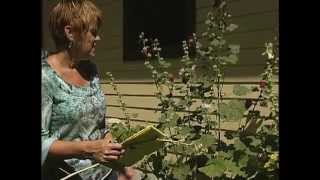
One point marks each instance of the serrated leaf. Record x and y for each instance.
(240, 90)
(181, 172)
(223, 155)
(205, 34)
(148, 65)
(178, 87)
(235, 49)
(232, 27)
(222, 42)
(239, 145)
(234, 110)
(215, 42)
(183, 149)
(233, 170)
(243, 160)
(182, 102)
(185, 130)
(164, 64)
(254, 141)
(231, 59)
(207, 140)
(255, 89)
(216, 169)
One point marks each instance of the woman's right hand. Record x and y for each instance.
(106, 151)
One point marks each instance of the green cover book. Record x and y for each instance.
(140, 144)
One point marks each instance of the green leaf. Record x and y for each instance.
(181, 172)
(173, 120)
(232, 27)
(233, 170)
(205, 34)
(224, 155)
(185, 130)
(235, 49)
(164, 64)
(239, 145)
(183, 149)
(216, 169)
(231, 59)
(222, 42)
(177, 87)
(162, 118)
(234, 110)
(243, 161)
(148, 65)
(254, 141)
(240, 90)
(207, 140)
(255, 89)
(215, 42)
(182, 103)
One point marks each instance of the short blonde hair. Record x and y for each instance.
(80, 14)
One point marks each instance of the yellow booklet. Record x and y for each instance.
(137, 146)
(140, 144)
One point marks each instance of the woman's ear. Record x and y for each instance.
(68, 32)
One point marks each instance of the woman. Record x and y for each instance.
(73, 129)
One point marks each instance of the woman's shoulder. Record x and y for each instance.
(44, 58)
(46, 75)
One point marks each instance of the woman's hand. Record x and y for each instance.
(105, 151)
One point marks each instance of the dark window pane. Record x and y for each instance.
(171, 21)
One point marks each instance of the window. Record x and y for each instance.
(171, 21)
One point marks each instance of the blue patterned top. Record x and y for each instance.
(71, 113)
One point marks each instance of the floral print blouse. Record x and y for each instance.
(71, 113)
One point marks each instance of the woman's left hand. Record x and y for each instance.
(127, 173)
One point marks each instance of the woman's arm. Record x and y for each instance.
(101, 150)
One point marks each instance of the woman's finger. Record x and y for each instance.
(115, 146)
(112, 152)
(110, 158)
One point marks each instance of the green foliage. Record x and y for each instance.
(120, 132)
(233, 110)
(197, 146)
(181, 172)
(215, 169)
(240, 90)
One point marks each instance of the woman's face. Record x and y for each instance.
(85, 45)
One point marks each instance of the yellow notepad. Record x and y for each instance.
(140, 144)
(137, 146)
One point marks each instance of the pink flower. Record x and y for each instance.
(171, 77)
(263, 84)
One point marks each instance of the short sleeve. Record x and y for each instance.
(46, 109)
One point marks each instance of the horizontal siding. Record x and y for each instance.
(234, 74)
(150, 89)
(254, 39)
(140, 100)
